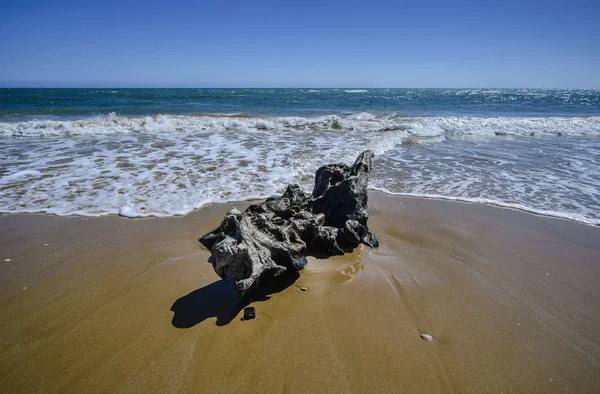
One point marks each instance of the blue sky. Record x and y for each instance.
(300, 44)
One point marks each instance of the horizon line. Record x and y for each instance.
(283, 87)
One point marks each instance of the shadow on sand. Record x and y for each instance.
(220, 299)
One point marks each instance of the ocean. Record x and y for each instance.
(166, 152)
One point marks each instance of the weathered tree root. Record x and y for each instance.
(271, 238)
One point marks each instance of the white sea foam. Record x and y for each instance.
(19, 175)
(555, 177)
(128, 212)
(356, 91)
(169, 165)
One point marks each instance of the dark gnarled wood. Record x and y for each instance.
(274, 237)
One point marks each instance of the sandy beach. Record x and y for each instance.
(111, 304)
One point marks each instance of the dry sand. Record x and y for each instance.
(118, 305)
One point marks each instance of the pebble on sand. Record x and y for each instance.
(427, 337)
(6, 260)
(249, 313)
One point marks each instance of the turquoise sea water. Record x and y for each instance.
(22, 104)
(162, 152)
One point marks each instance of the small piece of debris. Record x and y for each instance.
(304, 288)
(427, 337)
(24, 288)
(6, 260)
(249, 313)
(45, 244)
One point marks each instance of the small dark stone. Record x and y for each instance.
(249, 313)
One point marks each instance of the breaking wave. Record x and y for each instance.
(362, 122)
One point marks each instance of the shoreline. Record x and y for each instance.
(500, 205)
(101, 304)
(372, 192)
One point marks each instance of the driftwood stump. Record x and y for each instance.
(274, 237)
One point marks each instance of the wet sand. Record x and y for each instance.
(118, 305)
